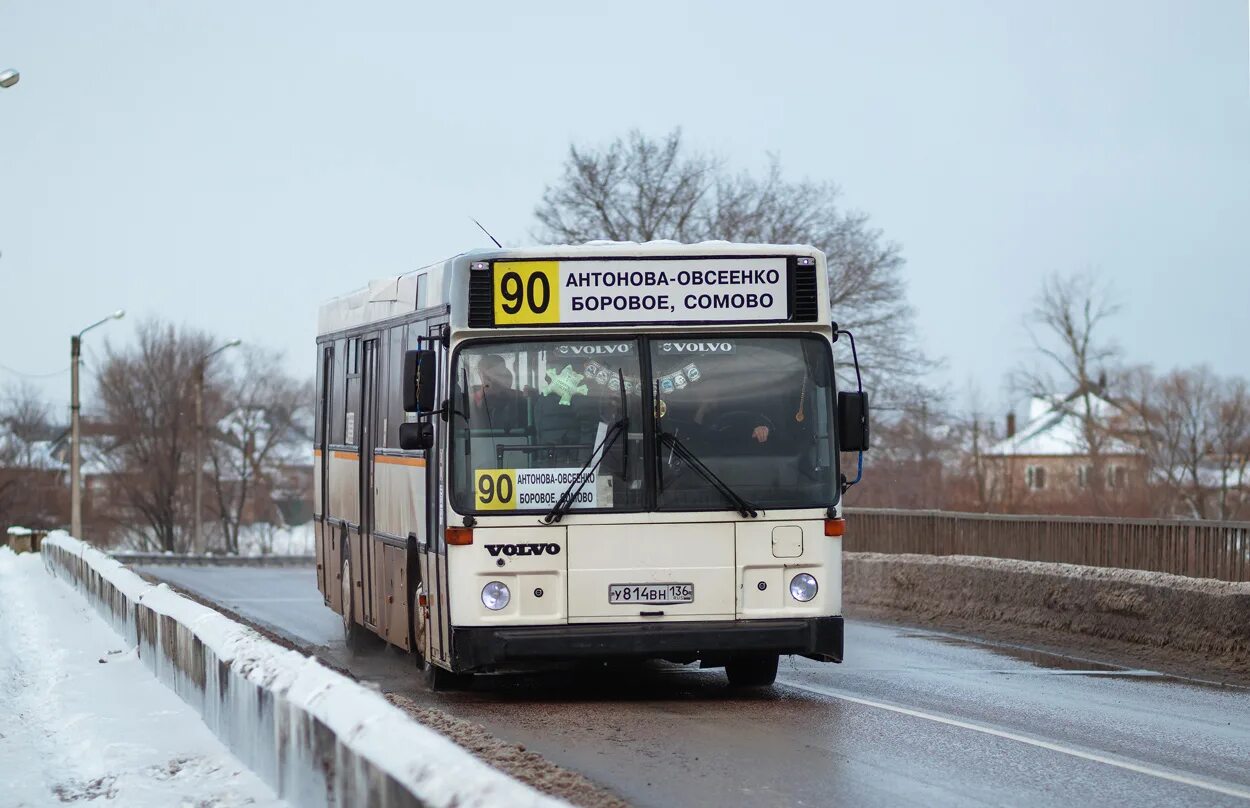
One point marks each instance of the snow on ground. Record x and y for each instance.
(82, 719)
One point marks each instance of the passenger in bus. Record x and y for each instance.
(494, 403)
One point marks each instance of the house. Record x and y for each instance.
(1069, 457)
(34, 489)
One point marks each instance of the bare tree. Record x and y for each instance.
(1231, 449)
(1154, 428)
(261, 411)
(1194, 428)
(640, 189)
(27, 418)
(1068, 321)
(637, 189)
(30, 483)
(985, 484)
(147, 396)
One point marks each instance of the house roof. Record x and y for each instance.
(1055, 428)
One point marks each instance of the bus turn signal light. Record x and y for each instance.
(459, 535)
(835, 527)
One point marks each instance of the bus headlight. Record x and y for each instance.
(495, 595)
(802, 587)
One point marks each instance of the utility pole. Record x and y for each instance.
(75, 430)
(75, 459)
(197, 543)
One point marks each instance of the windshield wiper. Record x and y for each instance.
(621, 426)
(744, 507)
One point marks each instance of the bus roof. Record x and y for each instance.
(430, 285)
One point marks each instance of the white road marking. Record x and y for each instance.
(1231, 791)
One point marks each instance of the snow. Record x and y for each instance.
(284, 714)
(84, 719)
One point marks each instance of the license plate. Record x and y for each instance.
(651, 594)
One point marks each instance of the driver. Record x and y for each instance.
(703, 411)
(707, 409)
(495, 401)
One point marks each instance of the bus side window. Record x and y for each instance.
(394, 411)
(351, 410)
(338, 390)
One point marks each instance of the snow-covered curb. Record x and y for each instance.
(316, 736)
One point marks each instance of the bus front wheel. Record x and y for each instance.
(441, 679)
(757, 670)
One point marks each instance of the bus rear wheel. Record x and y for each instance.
(757, 670)
(354, 634)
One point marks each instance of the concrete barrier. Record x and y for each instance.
(1203, 617)
(314, 735)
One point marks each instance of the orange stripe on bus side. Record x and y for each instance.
(400, 461)
(346, 455)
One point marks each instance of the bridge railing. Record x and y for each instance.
(1199, 549)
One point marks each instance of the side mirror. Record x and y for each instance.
(853, 422)
(419, 435)
(418, 382)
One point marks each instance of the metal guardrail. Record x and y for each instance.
(148, 559)
(1194, 548)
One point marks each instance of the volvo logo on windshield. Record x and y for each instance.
(696, 347)
(596, 350)
(523, 549)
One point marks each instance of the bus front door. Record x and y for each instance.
(368, 439)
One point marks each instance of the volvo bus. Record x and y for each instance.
(588, 453)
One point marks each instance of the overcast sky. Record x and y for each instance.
(230, 165)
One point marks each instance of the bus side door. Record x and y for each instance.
(434, 557)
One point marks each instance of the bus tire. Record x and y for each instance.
(354, 635)
(419, 625)
(442, 680)
(757, 670)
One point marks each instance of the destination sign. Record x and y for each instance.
(669, 291)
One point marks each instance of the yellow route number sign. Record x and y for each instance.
(527, 292)
(495, 489)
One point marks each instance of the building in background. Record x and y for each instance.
(1072, 455)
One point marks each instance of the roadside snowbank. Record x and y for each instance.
(83, 719)
(317, 737)
(1202, 618)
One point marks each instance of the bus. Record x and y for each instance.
(611, 451)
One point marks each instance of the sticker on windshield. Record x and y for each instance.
(528, 489)
(565, 384)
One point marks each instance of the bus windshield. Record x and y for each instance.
(530, 416)
(755, 412)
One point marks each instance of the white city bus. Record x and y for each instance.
(608, 451)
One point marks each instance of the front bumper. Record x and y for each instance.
(484, 648)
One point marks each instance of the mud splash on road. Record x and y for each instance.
(513, 759)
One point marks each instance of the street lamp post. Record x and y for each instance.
(75, 458)
(198, 537)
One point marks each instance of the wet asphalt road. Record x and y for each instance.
(912, 717)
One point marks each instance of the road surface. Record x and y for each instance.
(913, 717)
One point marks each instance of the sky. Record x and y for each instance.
(231, 165)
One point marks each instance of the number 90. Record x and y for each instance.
(533, 294)
(491, 487)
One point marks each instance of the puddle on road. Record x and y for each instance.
(1040, 659)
